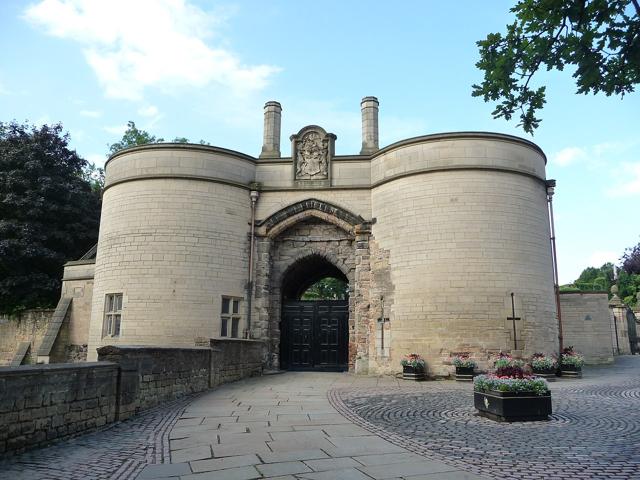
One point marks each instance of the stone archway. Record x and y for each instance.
(314, 334)
(315, 237)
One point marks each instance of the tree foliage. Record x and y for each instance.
(328, 288)
(49, 213)
(631, 260)
(133, 137)
(602, 279)
(600, 38)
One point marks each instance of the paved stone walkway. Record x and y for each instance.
(283, 426)
(338, 426)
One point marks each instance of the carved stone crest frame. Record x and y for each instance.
(312, 149)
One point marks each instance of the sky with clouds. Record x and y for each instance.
(203, 70)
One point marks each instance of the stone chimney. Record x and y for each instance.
(271, 142)
(369, 107)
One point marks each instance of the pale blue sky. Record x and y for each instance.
(203, 70)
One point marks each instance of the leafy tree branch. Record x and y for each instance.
(599, 38)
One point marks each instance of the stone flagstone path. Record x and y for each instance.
(284, 427)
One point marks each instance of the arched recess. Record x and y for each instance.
(306, 271)
(314, 335)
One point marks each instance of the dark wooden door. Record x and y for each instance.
(315, 335)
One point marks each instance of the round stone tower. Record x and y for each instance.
(172, 243)
(464, 219)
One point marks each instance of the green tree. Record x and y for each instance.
(600, 38)
(49, 213)
(631, 260)
(601, 279)
(133, 136)
(328, 288)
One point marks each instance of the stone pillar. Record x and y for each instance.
(271, 141)
(369, 107)
(359, 331)
(619, 326)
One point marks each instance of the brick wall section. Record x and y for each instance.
(42, 403)
(233, 359)
(586, 325)
(151, 376)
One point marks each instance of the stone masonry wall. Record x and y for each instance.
(586, 325)
(42, 403)
(29, 326)
(233, 359)
(151, 376)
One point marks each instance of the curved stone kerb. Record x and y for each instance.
(284, 218)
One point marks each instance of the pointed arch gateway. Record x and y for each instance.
(297, 246)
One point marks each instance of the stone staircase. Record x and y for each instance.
(54, 328)
(21, 352)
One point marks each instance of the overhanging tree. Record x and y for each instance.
(49, 213)
(600, 38)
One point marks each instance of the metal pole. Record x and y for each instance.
(254, 194)
(513, 316)
(550, 191)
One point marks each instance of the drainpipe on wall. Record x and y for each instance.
(254, 195)
(556, 286)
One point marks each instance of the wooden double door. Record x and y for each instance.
(315, 335)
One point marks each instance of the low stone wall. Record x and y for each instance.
(233, 359)
(42, 403)
(586, 324)
(150, 376)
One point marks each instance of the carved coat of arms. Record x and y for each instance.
(312, 157)
(312, 151)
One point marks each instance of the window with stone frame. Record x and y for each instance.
(112, 315)
(230, 317)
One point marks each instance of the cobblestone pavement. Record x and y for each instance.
(594, 431)
(117, 452)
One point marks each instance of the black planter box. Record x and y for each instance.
(571, 371)
(412, 373)
(464, 374)
(548, 375)
(513, 406)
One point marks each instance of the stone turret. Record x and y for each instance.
(271, 141)
(369, 107)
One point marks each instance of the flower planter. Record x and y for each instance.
(571, 371)
(513, 406)
(413, 373)
(464, 374)
(548, 375)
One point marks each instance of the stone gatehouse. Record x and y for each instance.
(432, 234)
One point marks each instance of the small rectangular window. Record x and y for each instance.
(235, 323)
(225, 305)
(112, 315)
(230, 317)
(223, 329)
